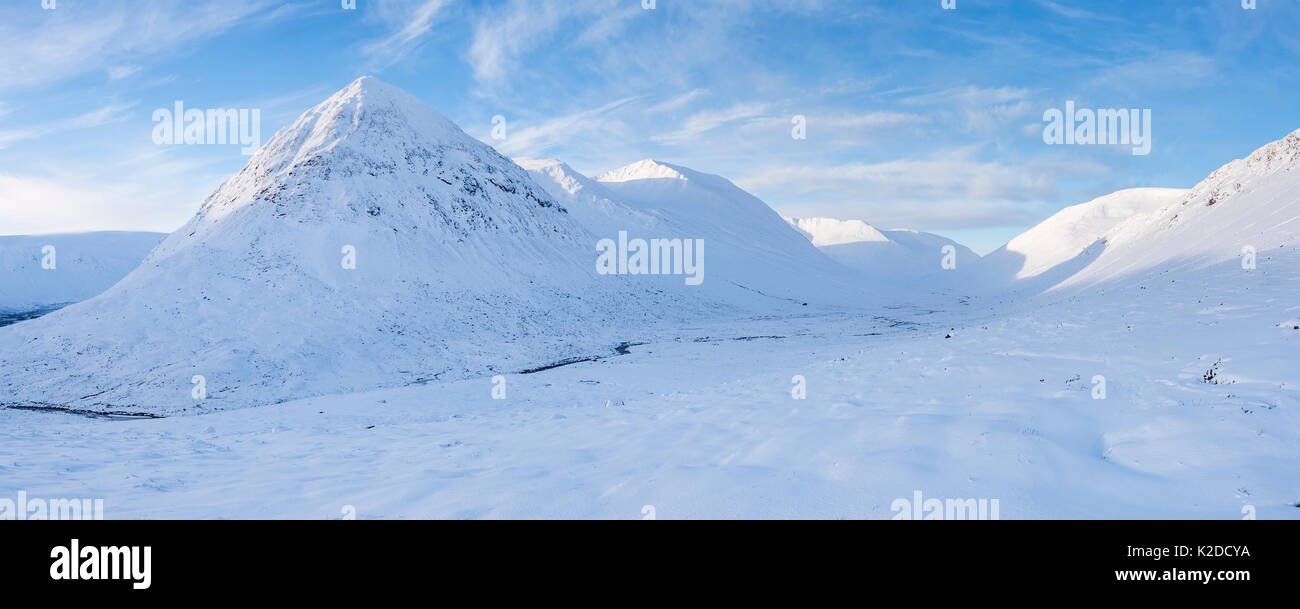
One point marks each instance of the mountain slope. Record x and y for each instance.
(1061, 245)
(84, 265)
(1249, 204)
(893, 254)
(587, 200)
(463, 266)
(752, 252)
(824, 232)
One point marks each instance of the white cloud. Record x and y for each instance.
(120, 72)
(150, 188)
(970, 96)
(539, 140)
(412, 23)
(101, 116)
(1172, 69)
(678, 102)
(503, 35)
(1073, 13)
(48, 46)
(950, 190)
(703, 122)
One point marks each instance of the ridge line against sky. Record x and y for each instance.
(917, 117)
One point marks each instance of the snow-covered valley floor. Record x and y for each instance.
(701, 423)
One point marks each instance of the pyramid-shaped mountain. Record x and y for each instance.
(371, 243)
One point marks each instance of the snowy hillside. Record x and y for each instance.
(1247, 209)
(371, 243)
(373, 268)
(754, 259)
(587, 200)
(892, 254)
(1071, 239)
(84, 265)
(703, 425)
(829, 231)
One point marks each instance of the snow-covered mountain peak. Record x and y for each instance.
(371, 243)
(645, 169)
(375, 156)
(1274, 158)
(561, 173)
(829, 231)
(365, 115)
(1281, 155)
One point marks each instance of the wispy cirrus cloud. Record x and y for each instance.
(1165, 69)
(1074, 12)
(122, 71)
(702, 122)
(412, 21)
(541, 139)
(678, 102)
(504, 34)
(47, 46)
(100, 116)
(950, 189)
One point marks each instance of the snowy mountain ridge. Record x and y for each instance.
(370, 243)
(1248, 207)
(755, 259)
(829, 231)
(1074, 235)
(892, 254)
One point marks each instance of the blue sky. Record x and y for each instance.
(917, 116)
